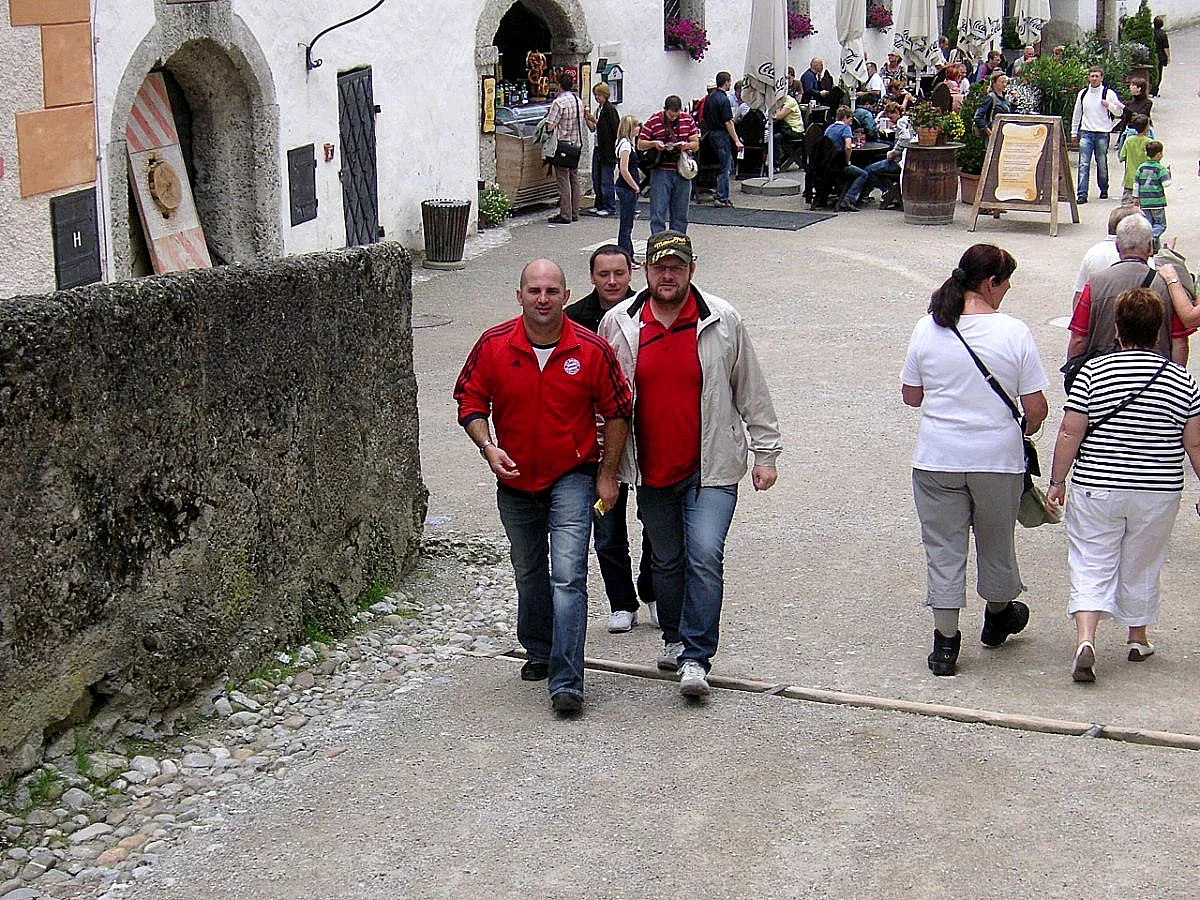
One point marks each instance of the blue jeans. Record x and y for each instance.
(610, 537)
(856, 186)
(603, 188)
(627, 200)
(670, 193)
(724, 146)
(1092, 143)
(552, 586)
(687, 526)
(1157, 217)
(884, 166)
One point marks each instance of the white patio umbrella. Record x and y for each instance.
(1032, 16)
(766, 63)
(916, 37)
(851, 25)
(979, 21)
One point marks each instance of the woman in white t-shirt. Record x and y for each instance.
(1129, 418)
(969, 463)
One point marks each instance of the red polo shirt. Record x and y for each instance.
(668, 381)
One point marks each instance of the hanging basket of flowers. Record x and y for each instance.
(686, 34)
(799, 27)
(879, 16)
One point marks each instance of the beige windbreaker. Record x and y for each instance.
(734, 397)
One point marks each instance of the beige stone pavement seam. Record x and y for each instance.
(1013, 721)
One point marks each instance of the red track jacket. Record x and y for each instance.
(544, 420)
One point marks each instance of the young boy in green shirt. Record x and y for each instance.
(1133, 152)
(1149, 189)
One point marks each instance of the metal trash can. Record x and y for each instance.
(445, 223)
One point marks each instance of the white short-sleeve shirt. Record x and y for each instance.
(964, 426)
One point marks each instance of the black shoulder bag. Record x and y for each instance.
(567, 154)
(1072, 366)
(1034, 510)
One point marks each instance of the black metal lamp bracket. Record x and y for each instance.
(309, 62)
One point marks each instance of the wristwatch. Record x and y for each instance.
(483, 447)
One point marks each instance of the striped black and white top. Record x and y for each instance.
(1141, 447)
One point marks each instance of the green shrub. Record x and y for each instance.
(1009, 38)
(493, 205)
(970, 155)
(1058, 82)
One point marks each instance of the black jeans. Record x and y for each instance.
(610, 535)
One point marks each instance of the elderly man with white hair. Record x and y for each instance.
(1093, 324)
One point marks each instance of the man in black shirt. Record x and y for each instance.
(611, 274)
(718, 122)
(1162, 49)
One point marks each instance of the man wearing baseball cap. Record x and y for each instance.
(698, 389)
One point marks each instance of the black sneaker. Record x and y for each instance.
(944, 658)
(566, 703)
(998, 626)
(1104, 195)
(535, 670)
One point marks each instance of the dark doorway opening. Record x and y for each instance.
(520, 31)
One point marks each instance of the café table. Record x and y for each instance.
(872, 151)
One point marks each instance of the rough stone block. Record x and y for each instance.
(192, 468)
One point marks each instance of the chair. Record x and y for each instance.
(826, 166)
(751, 130)
(836, 98)
(793, 149)
(941, 98)
(812, 140)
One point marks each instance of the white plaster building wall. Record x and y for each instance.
(26, 245)
(1175, 13)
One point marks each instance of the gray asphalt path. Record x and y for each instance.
(473, 788)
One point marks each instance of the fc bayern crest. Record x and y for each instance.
(571, 366)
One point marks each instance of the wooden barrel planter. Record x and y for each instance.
(930, 184)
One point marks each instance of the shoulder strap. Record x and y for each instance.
(1093, 426)
(1149, 280)
(990, 379)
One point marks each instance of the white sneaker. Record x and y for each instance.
(669, 661)
(653, 608)
(621, 621)
(692, 680)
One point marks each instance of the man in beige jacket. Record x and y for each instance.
(698, 390)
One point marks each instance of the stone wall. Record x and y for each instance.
(193, 469)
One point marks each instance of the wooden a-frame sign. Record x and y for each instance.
(1026, 169)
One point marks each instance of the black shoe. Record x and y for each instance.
(566, 703)
(1081, 200)
(944, 658)
(1104, 195)
(535, 670)
(848, 206)
(998, 626)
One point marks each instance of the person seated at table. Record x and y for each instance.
(956, 81)
(864, 120)
(1028, 55)
(789, 128)
(894, 70)
(897, 92)
(871, 92)
(993, 63)
(841, 134)
(893, 163)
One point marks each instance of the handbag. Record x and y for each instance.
(1034, 510)
(1071, 367)
(687, 167)
(565, 153)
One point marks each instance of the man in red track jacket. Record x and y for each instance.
(542, 380)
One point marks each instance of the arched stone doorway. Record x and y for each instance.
(230, 113)
(569, 43)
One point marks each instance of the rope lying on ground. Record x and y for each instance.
(1012, 721)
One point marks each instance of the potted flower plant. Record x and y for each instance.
(969, 156)
(878, 16)
(493, 205)
(686, 34)
(927, 120)
(799, 27)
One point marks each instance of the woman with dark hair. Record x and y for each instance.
(969, 463)
(1129, 419)
(1137, 104)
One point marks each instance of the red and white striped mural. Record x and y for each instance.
(159, 177)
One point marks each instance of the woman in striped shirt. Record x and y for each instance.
(1129, 419)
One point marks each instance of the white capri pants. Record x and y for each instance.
(1117, 544)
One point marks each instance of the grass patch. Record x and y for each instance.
(44, 787)
(85, 744)
(377, 591)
